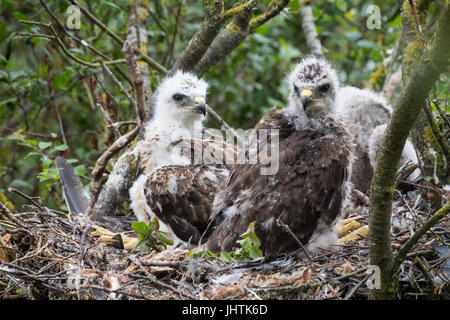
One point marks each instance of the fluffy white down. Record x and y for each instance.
(409, 155)
(362, 111)
(324, 237)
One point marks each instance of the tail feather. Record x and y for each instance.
(76, 198)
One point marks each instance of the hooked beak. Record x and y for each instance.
(306, 97)
(200, 105)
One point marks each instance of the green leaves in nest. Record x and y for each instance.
(150, 238)
(249, 249)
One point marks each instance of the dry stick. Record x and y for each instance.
(355, 288)
(286, 227)
(119, 85)
(10, 215)
(441, 213)
(121, 124)
(120, 143)
(421, 265)
(26, 197)
(309, 29)
(136, 79)
(152, 279)
(108, 119)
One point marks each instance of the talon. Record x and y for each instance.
(356, 235)
(348, 225)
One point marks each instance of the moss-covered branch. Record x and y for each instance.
(236, 32)
(202, 39)
(431, 63)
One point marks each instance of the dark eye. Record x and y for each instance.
(297, 92)
(324, 88)
(177, 97)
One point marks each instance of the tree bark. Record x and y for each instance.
(408, 106)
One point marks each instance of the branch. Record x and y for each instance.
(309, 29)
(401, 255)
(437, 133)
(235, 33)
(408, 107)
(136, 79)
(202, 39)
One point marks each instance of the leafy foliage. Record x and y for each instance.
(248, 251)
(150, 237)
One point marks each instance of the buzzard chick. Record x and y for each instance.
(308, 190)
(363, 112)
(171, 186)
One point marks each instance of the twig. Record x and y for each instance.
(136, 79)
(108, 119)
(152, 279)
(286, 227)
(436, 132)
(441, 213)
(40, 207)
(355, 288)
(420, 264)
(121, 124)
(119, 85)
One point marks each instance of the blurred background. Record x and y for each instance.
(43, 92)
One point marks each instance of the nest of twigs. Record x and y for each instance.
(47, 254)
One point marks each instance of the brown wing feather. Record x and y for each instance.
(181, 197)
(308, 186)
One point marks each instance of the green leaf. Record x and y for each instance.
(200, 254)
(341, 5)
(245, 243)
(140, 227)
(30, 154)
(15, 137)
(61, 81)
(44, 145)
(61, 147)
(226, 257)
(164, 238)
(250, 233)
(80, 170)
(255, 253)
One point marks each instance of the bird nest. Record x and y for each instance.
(47, 254)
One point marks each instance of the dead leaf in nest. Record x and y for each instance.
(130, 269)
(305, 276)
(222, 292)
(347, 268)
(5, 241)
(4, 255)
